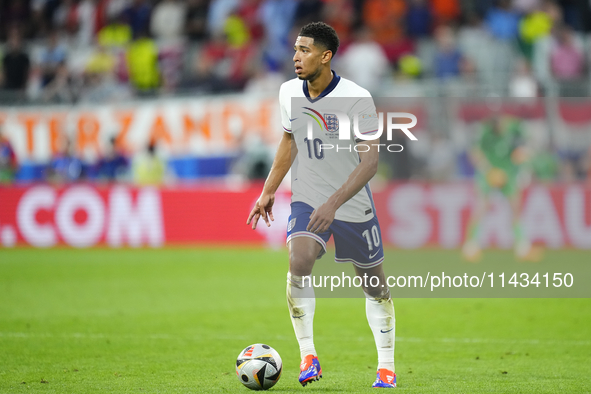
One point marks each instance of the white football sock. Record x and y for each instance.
(301, 303)
(380, 316)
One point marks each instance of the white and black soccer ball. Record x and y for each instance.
(259, 367)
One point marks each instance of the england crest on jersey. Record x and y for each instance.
(332, 122)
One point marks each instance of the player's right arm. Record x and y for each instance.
(281, 165)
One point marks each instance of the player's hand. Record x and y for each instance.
(262, 209)
(321, 219)
(496, 177)
(519, 155)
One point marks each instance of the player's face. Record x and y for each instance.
(308, 58)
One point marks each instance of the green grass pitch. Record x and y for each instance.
(173, 321)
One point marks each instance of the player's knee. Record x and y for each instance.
(301, 263)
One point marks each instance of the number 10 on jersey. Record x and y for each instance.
(314, 145)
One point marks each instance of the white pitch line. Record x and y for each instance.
(507, 341)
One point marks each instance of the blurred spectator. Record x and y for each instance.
(62, 87)
(100, 84)
(243, 65)
(171, 65)
(445, 11)
(196, 19)
(142, 63)
(410, 66)
(236, 31)
(137, 15)
(101, 15)
(502, 21)
(385, 19)
(308, 11)
(167, 26)
(115, 34)
(210, 66)
(543, 45)
(277, 17)
(249, 13)
(340, 15)
(66, 17)
(571, 13)
(419, 19)
(114, 37)
(523, 84)
(448, 62)
(219, 67)
(16, 15)
(364, 61)
(567, 61)
(15, 64)
(87, 21)
(379, 16)
(551, 8)
(476, 44)
(39, 11)
(535, 26)
(168, 19)
(65, 166)
(115, 8)
(52, 57)
(8, 163)
(526, 6)
(148, 167)
(218, 12)
(114, 166)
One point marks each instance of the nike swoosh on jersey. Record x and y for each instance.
(371, 256)
(291, 120)
(387, 331)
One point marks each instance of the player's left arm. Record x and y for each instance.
(322, 217)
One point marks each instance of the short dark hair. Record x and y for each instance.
(322, 34)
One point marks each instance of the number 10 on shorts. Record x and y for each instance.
(375, 237)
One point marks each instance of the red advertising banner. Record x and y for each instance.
(411, 215)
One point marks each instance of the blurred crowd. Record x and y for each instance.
(67, 166)
(71, 51)
(108, 51)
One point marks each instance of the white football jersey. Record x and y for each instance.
(319, 171)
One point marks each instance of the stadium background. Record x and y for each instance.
(147, 125)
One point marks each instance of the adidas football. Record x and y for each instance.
(259, 367)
